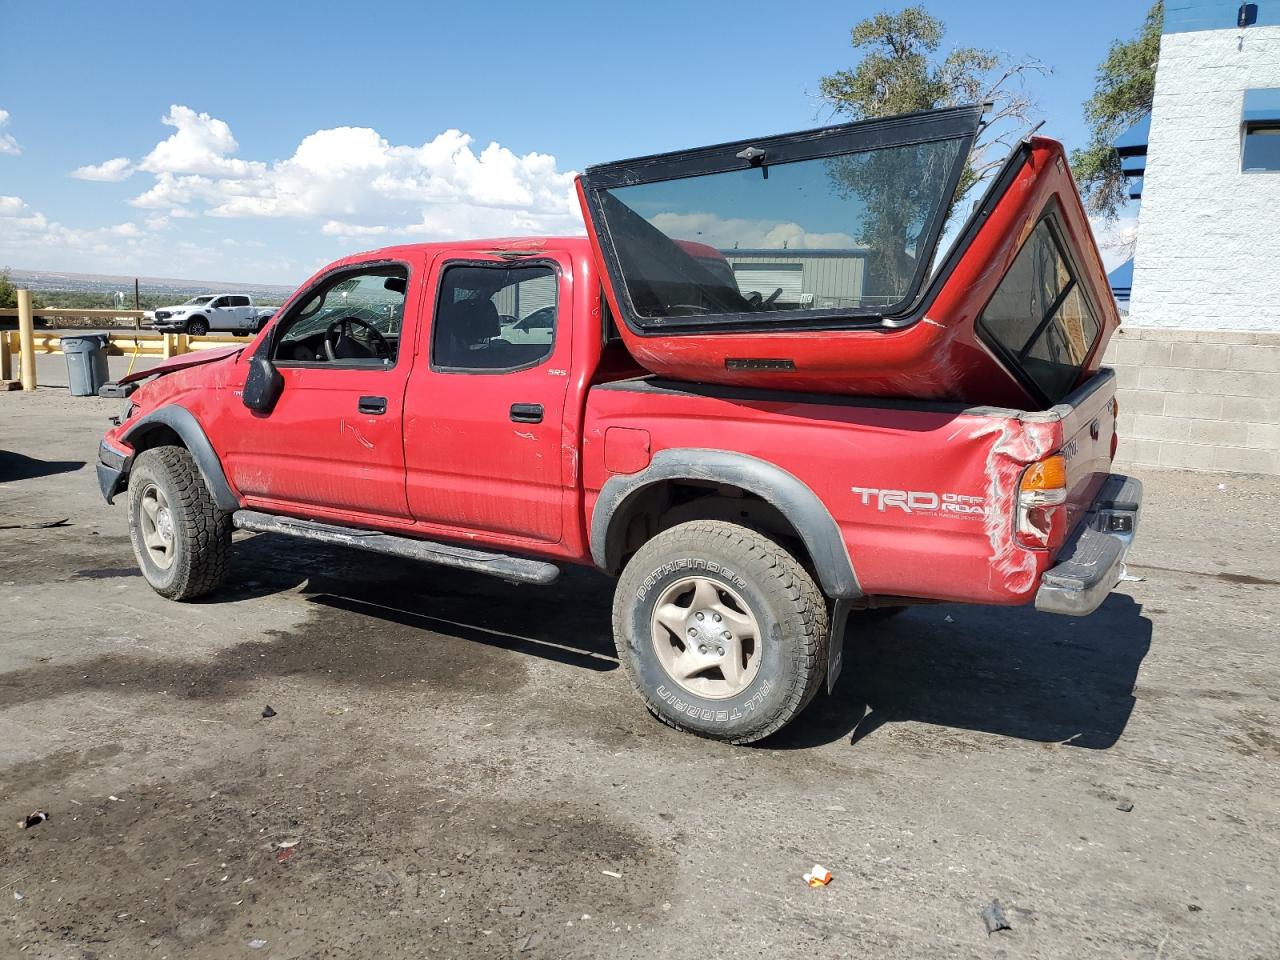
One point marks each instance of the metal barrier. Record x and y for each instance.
(28, 342)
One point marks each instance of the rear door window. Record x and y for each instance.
(494, 318)
(1039, 320)
(783, 231)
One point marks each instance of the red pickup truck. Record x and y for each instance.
(760, 393)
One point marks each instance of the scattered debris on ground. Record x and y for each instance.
(1124, 806)
(819, 876)
(33, 819)
(612, 873)
(993, 917)
(267, 712)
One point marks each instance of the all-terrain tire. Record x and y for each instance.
(200, 531)
(789, 610)
(197, 326)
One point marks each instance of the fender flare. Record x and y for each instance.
(186, 321)
(800, 505)
(182, 422)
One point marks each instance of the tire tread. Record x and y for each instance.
(798, 591)
(205, 526)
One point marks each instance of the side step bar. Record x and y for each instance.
(513, 569)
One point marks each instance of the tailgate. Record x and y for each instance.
(1088, 418)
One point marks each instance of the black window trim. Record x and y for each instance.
(501, 264)
(1048, 216)
(955, 123)
(278, 329)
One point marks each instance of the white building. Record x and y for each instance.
(1199, 356)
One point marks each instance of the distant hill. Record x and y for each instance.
(45, 280)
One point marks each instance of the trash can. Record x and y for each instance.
(86, 363)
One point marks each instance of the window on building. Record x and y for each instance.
(1039, 319)
(1261, 147)
(1260, 151)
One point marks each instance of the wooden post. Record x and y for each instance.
(26, 340)
(137, 305)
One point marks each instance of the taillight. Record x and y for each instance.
(1042, 494)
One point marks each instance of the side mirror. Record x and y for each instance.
(263, 384)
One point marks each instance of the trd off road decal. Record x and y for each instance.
(959, 505)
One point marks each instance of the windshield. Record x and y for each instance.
(851, 232)
(197, 301)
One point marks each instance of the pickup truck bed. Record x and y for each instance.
(937, 525)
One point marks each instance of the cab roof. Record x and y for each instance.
(508, 246)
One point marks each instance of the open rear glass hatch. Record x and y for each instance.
(810, 261)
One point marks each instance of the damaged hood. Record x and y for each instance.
(173, 364)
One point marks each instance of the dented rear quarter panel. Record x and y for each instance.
(924, 494)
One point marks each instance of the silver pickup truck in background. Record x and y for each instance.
(232, 312)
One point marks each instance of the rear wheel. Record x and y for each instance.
(182, 539)
(721, 630)
(198, 327)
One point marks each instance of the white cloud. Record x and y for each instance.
(355, 181)
(344, 186)
(1116, 239)
(735, 231)
(336, 228)
(201, 145)
(30, 239)
(7, 143)
(109, 171)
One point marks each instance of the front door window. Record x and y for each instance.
(352, 319)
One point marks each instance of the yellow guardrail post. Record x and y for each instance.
(6, 364)
(26, 340)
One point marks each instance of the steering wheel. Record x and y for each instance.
(341, 327)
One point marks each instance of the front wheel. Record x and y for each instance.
(721, 630)
(198, 327)
(182, 539)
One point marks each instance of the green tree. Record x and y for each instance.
(902, 71)
(8, 292)
(1126, 85)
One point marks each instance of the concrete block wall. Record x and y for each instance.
(1198, 399)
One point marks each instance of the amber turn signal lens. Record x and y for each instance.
(1048, 474)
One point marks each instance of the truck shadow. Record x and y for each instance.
(18, 466)
(1008, 671)
(566, 622)
(1011, 672)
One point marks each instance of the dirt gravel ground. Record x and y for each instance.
(466, 773)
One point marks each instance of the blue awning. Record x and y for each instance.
(1262, 105)
(1133, 165)
(1121, 278)
(1133, 142)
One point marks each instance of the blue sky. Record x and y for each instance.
(240, 193)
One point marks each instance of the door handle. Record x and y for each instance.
(526, 413)
(376, 405)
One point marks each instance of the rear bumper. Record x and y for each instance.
(1092, 562)
(113, 470)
